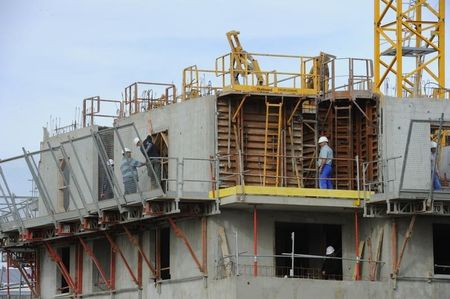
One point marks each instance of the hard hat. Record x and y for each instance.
(330, 250)
(323, 139)
(433, 144)
(126, 150)
(136, 140)
(111, 162)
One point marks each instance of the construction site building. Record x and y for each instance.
(237, 211)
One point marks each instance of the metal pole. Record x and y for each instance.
(61, 173)
(77, 158)
(13, 201)
(291, 273)
(237, 252)
(75, 181)
(111, 177)
(357, 265)
(255, 242)
(135, 180)
(147, 158)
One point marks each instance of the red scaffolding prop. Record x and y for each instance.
(179, 233)
(57, 259)
(94, 259)
(122, 256)
(142, 254)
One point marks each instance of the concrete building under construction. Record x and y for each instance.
(236, 210)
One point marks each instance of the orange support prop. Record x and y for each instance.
(179, 233)
(112, 264)
(57, 259)
(142, 254)
(79, 267)
(124, 260)
(95, 261)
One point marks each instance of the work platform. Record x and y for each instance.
(288, 197)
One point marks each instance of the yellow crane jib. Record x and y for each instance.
(242, 62)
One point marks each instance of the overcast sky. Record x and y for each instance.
(55, 53)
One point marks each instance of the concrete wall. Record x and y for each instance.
(190, 126)
(396, 117)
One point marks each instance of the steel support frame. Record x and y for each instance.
(180, 234)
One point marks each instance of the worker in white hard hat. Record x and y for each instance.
(324, 163)
(150, 151)
(128, 168)
(434, 169)
(107, 190)
(332, 266)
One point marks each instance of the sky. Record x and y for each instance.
(55, 53)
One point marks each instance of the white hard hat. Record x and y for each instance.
(433, 144)
(111, 162)
(330, 250)
(323, 139)
(136, 140)
(126, 150)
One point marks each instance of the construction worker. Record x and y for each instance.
(330, 267)
(148, 149)
(434, 169)
(128, 168)
(324, 163)
(107, 190)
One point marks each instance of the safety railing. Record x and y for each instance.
(387, 180)
(348, 75)
(240, 71)
(144, 96)
(296, 265)
(92, 109)
(293, 171)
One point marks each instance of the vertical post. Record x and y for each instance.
(112, 266)
(237, 252)
(357, 266)
(255, 242)
(399, 50)
(394, 244)
(158, 252)
(8, 261)
(79, 268)
(139, 275)
(204, 246)
(441, 45)
(291, 273)
(357, 178)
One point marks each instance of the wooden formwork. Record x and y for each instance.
(245, 139)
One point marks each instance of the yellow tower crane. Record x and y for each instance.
(410, 46)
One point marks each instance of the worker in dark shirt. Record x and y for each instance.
(149, 149)
(331, 266)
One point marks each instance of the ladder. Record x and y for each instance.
(272, 138)
(343, 143)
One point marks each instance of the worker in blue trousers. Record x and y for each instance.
(325, 164)
(434, 169)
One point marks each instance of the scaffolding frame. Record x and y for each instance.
(395, 28)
